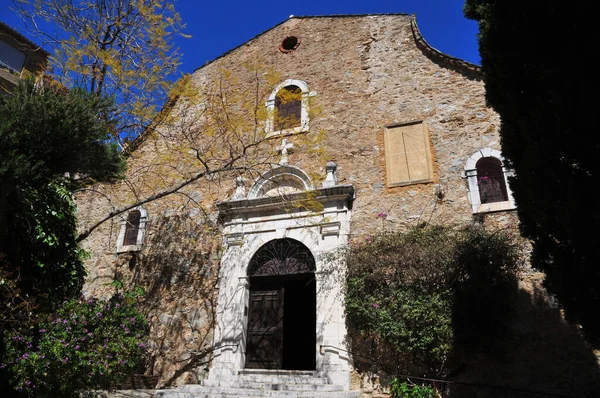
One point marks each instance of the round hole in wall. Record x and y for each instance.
(289, 44)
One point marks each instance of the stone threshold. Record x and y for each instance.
(276, 372)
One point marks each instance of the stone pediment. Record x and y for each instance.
(287, 184)
(281, 181)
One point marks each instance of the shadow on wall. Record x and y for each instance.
(178, 271)
(509, 340)
(519, 344)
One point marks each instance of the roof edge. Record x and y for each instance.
(351, 15)
(446, 60)
(25, 40)
(296, 17)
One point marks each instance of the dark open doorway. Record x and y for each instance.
(282, 308)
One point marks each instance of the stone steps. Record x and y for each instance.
(262, 383)
(270, 385)
(255, 394)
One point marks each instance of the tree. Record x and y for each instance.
(206, 134)
(537, 86)
(89, 344)
(53, 141)
(47, 132)
(47, 138)
(122, 49)
(125, 49)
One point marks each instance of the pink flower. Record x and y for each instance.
(375, 305)
(382, 215)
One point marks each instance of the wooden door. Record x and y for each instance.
(264, 347)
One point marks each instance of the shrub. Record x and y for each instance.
(403, 290)
(405, 390)
(90, 344)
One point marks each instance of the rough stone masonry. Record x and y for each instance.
(362, 73)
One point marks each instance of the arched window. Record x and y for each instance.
(281, 257)
(287, 108)
(288, 105)
(133, 230)
(490, 178)
(488, 185)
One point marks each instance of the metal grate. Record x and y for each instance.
(281, 257)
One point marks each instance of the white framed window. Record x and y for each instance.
(132, 231)
(288, 109)
(487, 176)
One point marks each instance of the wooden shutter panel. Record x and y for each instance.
(395, 157)
(407, 155)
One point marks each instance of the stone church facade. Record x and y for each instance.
(405, 137)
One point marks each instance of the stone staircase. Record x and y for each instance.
(262, 383)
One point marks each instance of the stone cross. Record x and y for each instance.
(285, 148)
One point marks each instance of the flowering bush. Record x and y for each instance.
(89, 344)
(411, 296)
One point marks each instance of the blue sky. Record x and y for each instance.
(218, 26)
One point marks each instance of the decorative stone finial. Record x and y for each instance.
(240, 188)
(331, 179)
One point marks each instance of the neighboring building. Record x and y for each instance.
(236, 275)
(18, 56)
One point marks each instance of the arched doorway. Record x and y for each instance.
(282, 307)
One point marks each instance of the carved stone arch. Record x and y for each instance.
(482, 153)
(289, 82)
(281, 257)
(280, 181)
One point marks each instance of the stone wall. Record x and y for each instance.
(367, 72)
(177, 269)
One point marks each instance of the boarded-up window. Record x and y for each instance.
(288, 103)
(407, 154)
(132, 228)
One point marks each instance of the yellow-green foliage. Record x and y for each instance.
(119, 48)
(211, 132)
